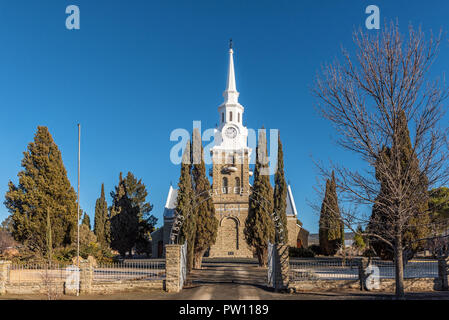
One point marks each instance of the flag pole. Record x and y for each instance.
(78, 202)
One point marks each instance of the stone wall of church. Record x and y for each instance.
(231, 238)
(293, 230)
(297, 236)
(231, 205)
(160, 238)
(156, 237)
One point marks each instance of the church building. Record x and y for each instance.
(230, 181)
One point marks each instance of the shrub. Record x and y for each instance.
(64, 254)
(315, 249)
(301, 253)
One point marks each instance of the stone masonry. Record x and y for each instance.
(443, 271)
(172, 267)
(231, 203)
(86, 277)
(4, 275)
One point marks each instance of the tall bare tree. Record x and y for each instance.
(364, 97)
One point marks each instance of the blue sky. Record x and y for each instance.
(136, 70)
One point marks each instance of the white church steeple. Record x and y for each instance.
(231, 134)
(230, 94)
(231, 111)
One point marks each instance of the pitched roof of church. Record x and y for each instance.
(170, 203)
(291, 207)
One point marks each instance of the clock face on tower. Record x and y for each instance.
(231, 132)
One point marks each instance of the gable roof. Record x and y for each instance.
(291, 206)
(170, 203)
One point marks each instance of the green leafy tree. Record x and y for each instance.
(124, 220)
(137, 194)
(280, 193)
(417, 225)
(86, 221)
(439, 203)
(184, 206)
(43, 185)
(101, 222)
(331, 229)
(206, 223)
(359, 239)
(88, 243)
(7, 224)
(259, 226)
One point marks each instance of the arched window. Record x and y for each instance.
(237, 185)
(238, 117)
(222, 117)
(230, 116)
(225, 185)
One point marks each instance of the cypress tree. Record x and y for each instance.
(43, 185)
(124, 220)
(137, 194)
(336, 230)
(86, 220)
(184, 206)
(331, 228)
(439, 203)
(206, 223)
(101, 225)
(259, 226)
(380, 223)
(280, 193)
(107, 229)
(323, 222)
(49, 238)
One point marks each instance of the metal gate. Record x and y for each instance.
(278, 266)
(271, 265)
(183, 266)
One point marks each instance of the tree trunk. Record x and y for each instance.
(198, 258)
(262, 256)
(190, 255)
(399, 267)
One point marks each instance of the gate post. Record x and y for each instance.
(4, 275)
(86, 277)
(172, 267)
(362, 265)
(442, 273)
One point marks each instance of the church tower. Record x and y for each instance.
(230, 173)
(230, 182)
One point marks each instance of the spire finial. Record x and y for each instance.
(231, 94)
